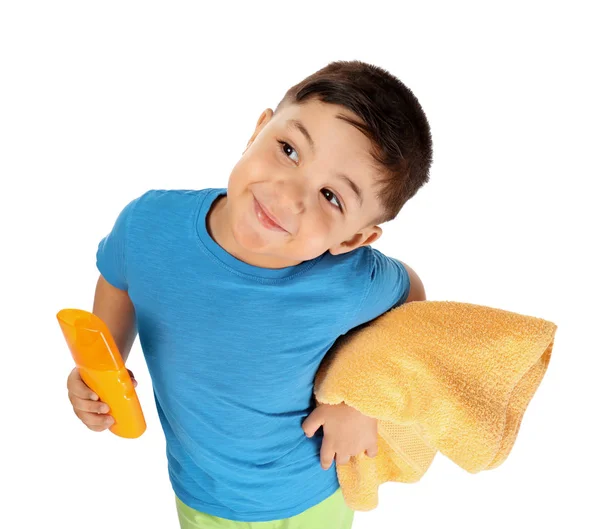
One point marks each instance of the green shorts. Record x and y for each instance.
(331, 513)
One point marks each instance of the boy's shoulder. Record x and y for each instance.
(365, 257)
(165, 199)
(172, 194)
(159, 207)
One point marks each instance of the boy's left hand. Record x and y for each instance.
(346, 432)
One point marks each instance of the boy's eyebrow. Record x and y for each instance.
(303, 130)
(353, 186)
(298, 124)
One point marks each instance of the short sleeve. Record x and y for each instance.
(388, 288)
(111, 256)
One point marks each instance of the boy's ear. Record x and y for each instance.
(264, 118)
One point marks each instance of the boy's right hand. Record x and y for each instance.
(87, 406)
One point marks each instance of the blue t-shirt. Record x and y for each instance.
(232, 350)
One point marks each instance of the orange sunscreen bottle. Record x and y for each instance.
(101, 367)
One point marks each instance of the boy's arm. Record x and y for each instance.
(114, 307)
(417, 290)
(346, 431)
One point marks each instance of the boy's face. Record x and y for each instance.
(297, 180)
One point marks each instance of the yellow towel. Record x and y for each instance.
(438, 376)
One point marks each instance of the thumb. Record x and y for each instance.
(133, 380)
(313, 422)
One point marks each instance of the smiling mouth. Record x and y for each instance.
(265, 218)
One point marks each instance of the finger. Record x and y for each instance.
(89, 406)
(313, 422)
(132, 377)
(95, 420)
(372, 451)
(79, 388)
(97, 428)
(327, 453)
(341, 459)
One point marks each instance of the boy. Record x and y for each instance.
(238, 293)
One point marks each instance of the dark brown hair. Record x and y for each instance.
(389, 115)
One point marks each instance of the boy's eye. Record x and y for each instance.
(289, 150)
(339, 204)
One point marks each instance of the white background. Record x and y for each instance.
(101, 101)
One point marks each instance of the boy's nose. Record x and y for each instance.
(291, 196)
